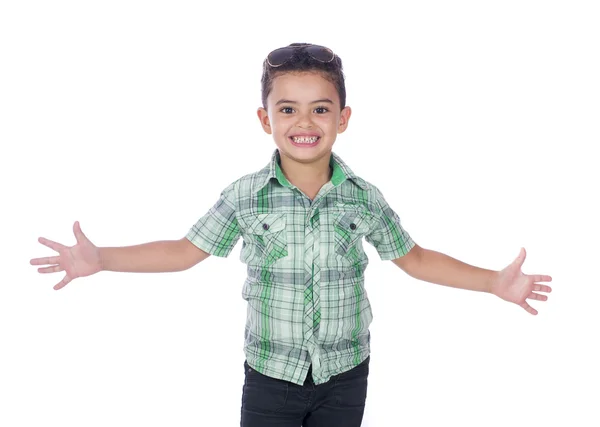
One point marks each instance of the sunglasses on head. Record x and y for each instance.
(282, 55)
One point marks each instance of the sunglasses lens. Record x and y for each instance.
(320, 53)
(280, 56)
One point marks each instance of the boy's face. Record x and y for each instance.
(304, 104)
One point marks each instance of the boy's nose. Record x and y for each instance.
(305, 123)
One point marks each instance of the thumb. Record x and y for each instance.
(78, 233)
(519, 260)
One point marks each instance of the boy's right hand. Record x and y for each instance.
(80, 260)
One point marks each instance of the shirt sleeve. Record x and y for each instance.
(388, 237)
(217, 231)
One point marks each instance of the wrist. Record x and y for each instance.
(492, 284)
(102, 259)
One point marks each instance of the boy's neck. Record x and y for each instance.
(307, 175)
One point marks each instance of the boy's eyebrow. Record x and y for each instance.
(287, 101)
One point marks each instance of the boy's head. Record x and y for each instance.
(299, 58)
(303, 95)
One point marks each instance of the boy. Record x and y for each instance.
(302, 219)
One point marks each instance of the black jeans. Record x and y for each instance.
(340, 402)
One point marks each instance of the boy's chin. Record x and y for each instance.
(304, 155)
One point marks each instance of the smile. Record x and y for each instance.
(306, 141)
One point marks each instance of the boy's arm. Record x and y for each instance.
(509, 284)
(394, 243)
(154, 257)
(435, 267)
(84, 258)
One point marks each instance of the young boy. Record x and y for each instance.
(302, 218)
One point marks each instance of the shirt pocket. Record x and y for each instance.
(349, 227)
(267, 232)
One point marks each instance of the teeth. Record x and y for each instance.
(305, 140)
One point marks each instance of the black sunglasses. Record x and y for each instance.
(282, 55)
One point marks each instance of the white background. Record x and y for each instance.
(479, 121)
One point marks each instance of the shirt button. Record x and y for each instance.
(353, 226)
(265, 226)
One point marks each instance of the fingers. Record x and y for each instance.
(64, 282)
(529, 308)
(521, 257)
(45, 260)
(78, 233)
(51, 244)
(541, 288)
(51, 269)
(538, 297)
(540, 278)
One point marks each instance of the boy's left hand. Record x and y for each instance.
(512, 285)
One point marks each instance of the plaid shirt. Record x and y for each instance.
(305, 286)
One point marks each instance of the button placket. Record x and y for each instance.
(312, 287)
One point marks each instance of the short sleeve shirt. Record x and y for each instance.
(307, 304)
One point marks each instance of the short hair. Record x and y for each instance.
(300, 62)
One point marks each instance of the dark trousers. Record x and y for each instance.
(340, 402)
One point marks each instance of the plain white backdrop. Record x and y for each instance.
(479, 121)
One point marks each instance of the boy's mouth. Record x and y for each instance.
(304, 141)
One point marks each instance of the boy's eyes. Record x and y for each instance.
(321, 110)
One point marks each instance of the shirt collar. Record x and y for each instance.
(341, 172)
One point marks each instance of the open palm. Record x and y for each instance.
(514, 286)
(80, 260)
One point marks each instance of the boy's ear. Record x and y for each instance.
(263, 116)
(344, 119)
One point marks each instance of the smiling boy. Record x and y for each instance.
(302, 219)
(304, 116)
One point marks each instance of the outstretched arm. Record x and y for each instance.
(84, 258)
(510, 284)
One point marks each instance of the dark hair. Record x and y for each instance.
(303, 62)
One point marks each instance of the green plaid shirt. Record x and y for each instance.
(305, 286)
